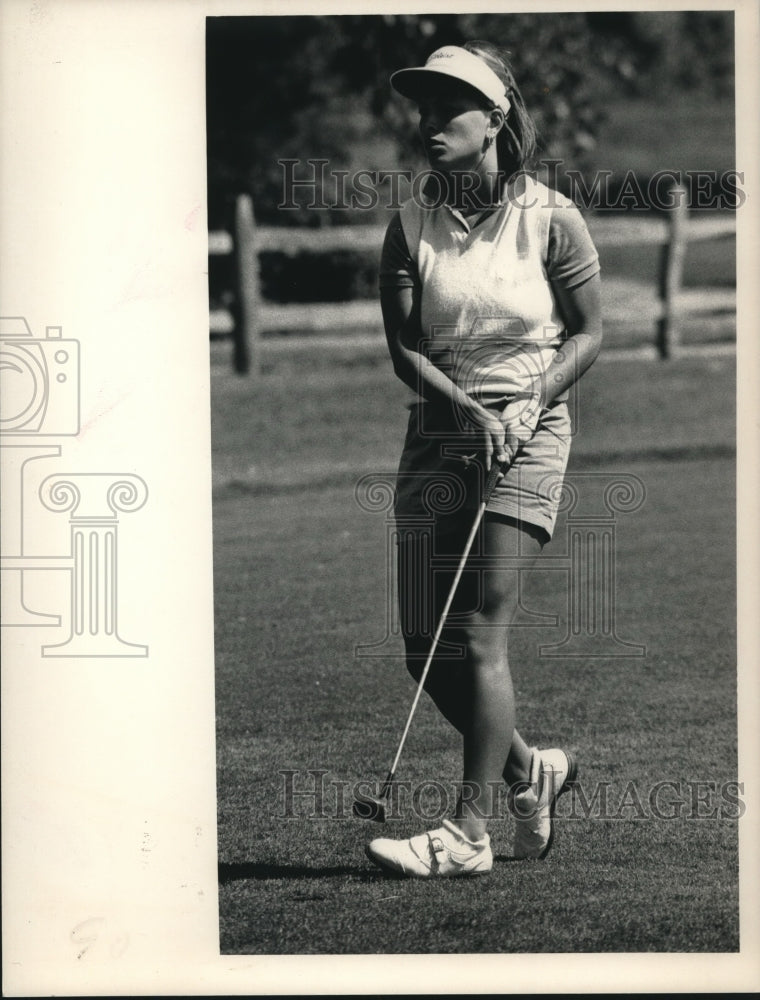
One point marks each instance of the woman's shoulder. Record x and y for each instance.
(405, 219)
(531, 193)
(410, 219)
(558, 217)
(412, 208)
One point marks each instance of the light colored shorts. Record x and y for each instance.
(434, 482)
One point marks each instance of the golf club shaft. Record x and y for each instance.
(493, 477)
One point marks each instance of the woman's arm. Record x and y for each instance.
(581, 310)
(403, 333)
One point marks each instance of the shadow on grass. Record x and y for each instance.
(257, 871)
(244, 870)
(335, 477)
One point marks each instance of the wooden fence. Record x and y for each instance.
(251, 315)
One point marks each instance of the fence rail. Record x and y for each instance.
(251, 315)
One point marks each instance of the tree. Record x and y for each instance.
(309, 87)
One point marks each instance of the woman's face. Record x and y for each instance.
(453, 127)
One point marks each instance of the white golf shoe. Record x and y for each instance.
(444, 852)
(552, 772)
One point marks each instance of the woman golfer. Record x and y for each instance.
(490, 298)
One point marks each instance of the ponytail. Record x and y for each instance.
(516, 141)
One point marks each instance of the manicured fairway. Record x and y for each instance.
(301, 580)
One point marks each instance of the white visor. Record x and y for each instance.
(458, 63)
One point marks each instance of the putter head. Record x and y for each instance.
(366, 807)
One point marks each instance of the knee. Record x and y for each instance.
(486, 648)
(490, 597)
(450, 658)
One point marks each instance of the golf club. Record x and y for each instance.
(365, 806)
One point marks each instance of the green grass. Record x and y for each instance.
(348, 413)
(300, 579)
(683, 133)
(680, 132)
(709, 263)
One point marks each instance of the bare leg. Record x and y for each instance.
(473, 692)
(517, 768)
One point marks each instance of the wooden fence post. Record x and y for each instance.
(671, 271)
(246, 354)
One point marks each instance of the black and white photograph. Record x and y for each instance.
(379, 486)
(473, 373)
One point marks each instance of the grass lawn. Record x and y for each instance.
(708, 263)
(348, 414)
(683, 132)
(300, 580)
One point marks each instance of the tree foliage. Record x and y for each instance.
(307, 87)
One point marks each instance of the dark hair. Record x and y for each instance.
(516, 141)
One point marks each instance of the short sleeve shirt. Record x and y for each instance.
(571, 255)
(488, 311)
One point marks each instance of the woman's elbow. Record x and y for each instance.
(399, 363)
(596, 337)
